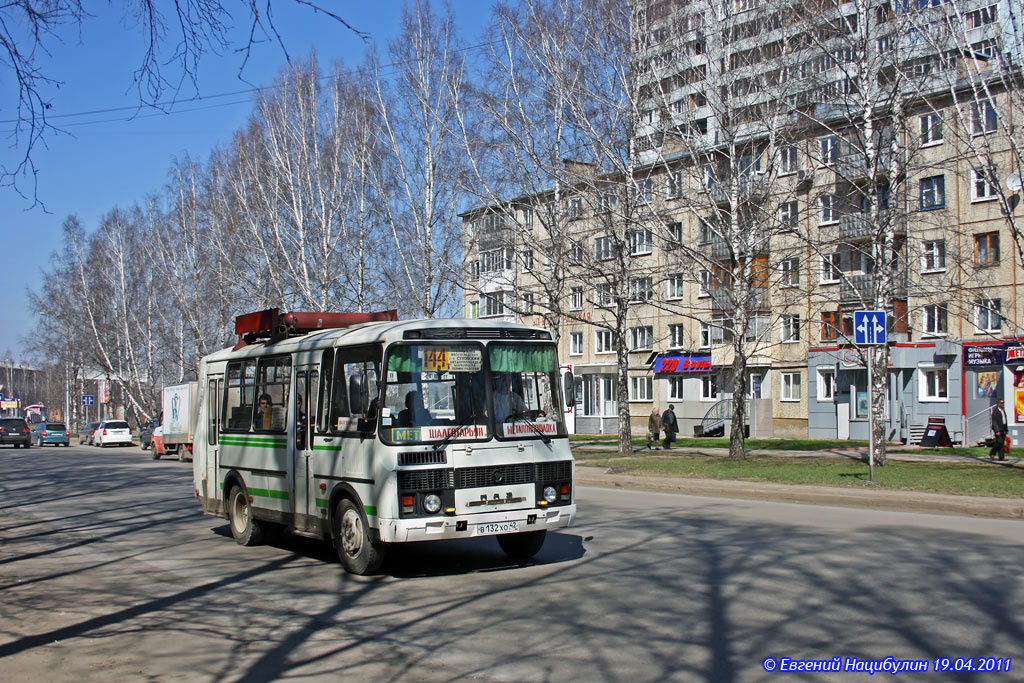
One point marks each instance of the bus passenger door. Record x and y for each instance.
(214, 387)
(306, 388)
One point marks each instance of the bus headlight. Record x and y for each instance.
(550, 494)
(432, 503)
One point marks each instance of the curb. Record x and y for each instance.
(873, 499)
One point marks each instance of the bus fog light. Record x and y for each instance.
(432, 503)
(550, 494)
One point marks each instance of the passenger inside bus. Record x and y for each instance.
(414, 413)
(507, 402)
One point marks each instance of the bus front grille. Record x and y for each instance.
(425, 480)
(422, 458)
(554, 471)
(494, 475)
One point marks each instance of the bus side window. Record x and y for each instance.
(238, 395)
(362, 361)
(274, 381)
(323, 422)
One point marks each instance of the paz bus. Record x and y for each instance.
(366, 431)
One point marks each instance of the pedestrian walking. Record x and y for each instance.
(670, 425)
(653, 428)
(999, 431)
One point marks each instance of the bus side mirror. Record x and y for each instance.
(569, 387)
(358, 395)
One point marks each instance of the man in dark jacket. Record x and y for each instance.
(999, 430)
(669, 424)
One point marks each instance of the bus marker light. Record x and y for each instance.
(542, 503)
(449, 511)
(323, 487)
(565, 488)
(407, 500)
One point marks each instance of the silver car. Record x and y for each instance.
(112, 433)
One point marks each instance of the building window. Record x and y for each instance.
(646, 191)
(831, 271)
(931, 129)
(575, 343)
(705, 232)
(604, 341)
(790, 386)
(675, 233)
(757, 326)
(674, 185)
(983, 184)
(474, 269)
(576, 253)
(527, 300)
(933, 192)
(641, 338)
(641, 289)
(606, 294)
(934, 384)
(983, 118)
(495, 261)
(704, 283)
(641, 389)
(829, 325)
(986, 249)
(494, 304)
(474, 309)
(935, 319)
(790, 160)
(986, 315)
(527, 260)
(718, 331)
(675, 286)
(607, 202)
(640, 242)
(676, 336)
(709, 388)
(604, 248)
(826, 384)
(789, 328)
(829, 209)
(789, 272)
(526, 217)
(575, 298)
(933, 256)
(675, 388)
(789, 214)
(829, 150)
(575, 207)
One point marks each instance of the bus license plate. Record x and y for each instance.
(497, 528)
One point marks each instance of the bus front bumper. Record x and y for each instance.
(472, 526)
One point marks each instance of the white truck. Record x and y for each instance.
(179, 420)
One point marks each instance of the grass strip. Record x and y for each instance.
(973, 479)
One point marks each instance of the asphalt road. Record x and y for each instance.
(109, 572)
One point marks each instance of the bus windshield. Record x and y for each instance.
(434, 392)
(525, 390)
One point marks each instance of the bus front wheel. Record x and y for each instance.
(244, 527)
(358, 553)
(522, 545)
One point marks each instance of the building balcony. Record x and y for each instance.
(720, 250)
(860, 226)
(723, 299)
(861, 288)
(854, 165)
(749, 188)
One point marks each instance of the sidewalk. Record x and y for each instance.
(866, 497)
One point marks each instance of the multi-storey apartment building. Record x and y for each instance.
(790, 167)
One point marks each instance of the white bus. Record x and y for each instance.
(372, 433)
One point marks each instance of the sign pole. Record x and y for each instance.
(871, 417)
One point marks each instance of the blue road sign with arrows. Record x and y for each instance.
(868, 327)
(87, 400)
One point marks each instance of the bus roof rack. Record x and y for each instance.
(272, 325)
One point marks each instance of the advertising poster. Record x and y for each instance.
(988, 384)
(1018, 396)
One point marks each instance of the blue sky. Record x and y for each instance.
(115, 159)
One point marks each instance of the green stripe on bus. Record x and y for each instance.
(269, 493)
(322, 503)
(254, 443)
(326, 448)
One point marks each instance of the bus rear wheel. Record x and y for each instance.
(359, 553)
(522, 545)
(244, 527)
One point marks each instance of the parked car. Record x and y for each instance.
(112, 433)
(85, 434)
(47, 433)
(15, 431)
(146, 433)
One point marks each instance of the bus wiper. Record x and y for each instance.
(451, 435)
(516, 415)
